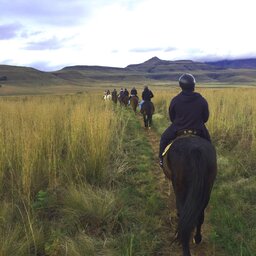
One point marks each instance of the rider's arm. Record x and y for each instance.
(143, 95)
(205, 113)
(172, 113)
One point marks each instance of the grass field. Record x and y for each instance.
(68, 186)
(75, 175)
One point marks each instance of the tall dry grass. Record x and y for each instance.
(45, 141)
(49, 145)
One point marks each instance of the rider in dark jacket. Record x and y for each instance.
(126, 93)
(134, 93)
(188, 111)
(121, 93)
(147, 94)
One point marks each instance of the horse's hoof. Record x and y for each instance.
(197, 239)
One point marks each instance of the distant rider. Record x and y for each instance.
(134, 93)
(147, 94)
(114, 96)
(121, 93)
(126, 93)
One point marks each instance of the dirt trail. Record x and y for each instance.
(169, 214)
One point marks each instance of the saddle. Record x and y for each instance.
(181, 133)
(185, 132)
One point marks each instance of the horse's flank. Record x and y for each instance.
(124, 100)
(107, 97)
(134, 103)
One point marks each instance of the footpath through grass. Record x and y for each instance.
(144, 206)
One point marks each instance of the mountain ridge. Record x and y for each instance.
(153, 69)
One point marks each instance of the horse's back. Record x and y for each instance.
(107, 97)
(183, 146)
(134, 100)
(187, 151)
(147, 108)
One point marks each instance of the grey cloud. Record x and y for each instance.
(49, 44)
(170, 49)
(27, 34)
(55, 12)
(8, 31)
(145, 49)
(215, 57)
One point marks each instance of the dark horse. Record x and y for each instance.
(191, 165)
(147, 110)
(124, 100)
(134, 103)
(114, 98)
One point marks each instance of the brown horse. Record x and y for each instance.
(134, 101)
(190, 163)
(124, 100)
(147, 110)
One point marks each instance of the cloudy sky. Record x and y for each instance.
(51, 34)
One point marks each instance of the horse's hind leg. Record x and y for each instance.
(145, 120)
(149, 120)
(198, 235)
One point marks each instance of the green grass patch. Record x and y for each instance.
(233, 209)
(143, 203)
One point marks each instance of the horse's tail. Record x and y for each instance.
(198, 193)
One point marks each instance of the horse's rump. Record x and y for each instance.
(192, 166)
(107, 97)
(184, 147)
(114, 98)
(124, 100)
(134, 102)
(147, 108)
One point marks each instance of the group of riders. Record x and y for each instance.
(188, 111)
(124, 93)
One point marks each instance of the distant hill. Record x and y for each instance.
(236, 64)
(150, 71)
(16, 75)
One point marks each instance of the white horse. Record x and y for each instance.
(107, 97)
